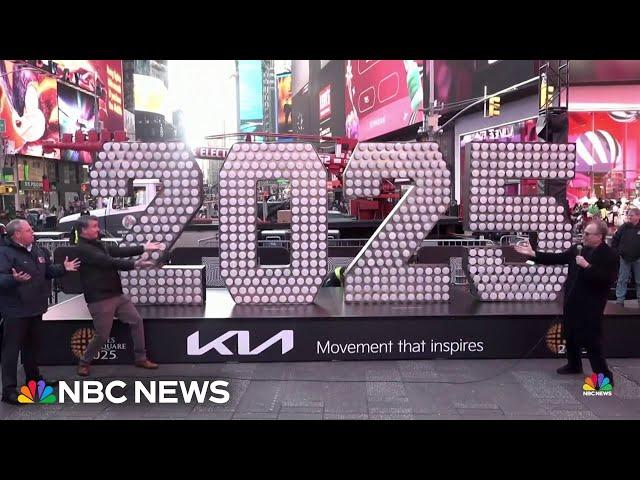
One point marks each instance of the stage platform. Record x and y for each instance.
(328, 330)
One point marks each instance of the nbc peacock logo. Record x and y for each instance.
(34, 392)
(597, 385)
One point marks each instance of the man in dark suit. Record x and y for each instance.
(593, 267)
(103, 293)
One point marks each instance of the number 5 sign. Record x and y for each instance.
(491, 166)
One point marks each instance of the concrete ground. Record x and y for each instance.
(407, 390)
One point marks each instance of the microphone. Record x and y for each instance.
(579, 250)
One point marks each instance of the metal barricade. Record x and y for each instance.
(274, 242)
(458, 276)
(457, 242)
(51, 245)
(508, 240)
(347, 242)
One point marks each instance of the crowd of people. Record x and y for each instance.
(45, 218)
(613, 212)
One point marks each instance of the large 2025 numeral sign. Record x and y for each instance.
(180, 196)
(383, 271)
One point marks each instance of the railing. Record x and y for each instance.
(508, 240)
(209, 242)
(51, 245)
(457, 242)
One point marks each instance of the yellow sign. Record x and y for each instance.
(8, 190)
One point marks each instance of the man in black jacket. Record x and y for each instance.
(25, 272)
(626, 242)
(103, 290)
(592, 271)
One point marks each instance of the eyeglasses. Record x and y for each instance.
(587, 233)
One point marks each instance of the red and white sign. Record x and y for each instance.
(325, 102)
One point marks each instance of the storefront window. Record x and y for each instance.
(608, 155)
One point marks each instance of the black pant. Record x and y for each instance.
(580, 335)
(20, 334)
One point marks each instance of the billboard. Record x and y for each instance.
(97, 77)
(76, 112)
(150, 94)
(251, 114)
(29, 108)
(300, 71)
(604, 71)
(330, 99)
(285, 103)
(303, 120)
(453, 82)
(382, 96)
(109, 73)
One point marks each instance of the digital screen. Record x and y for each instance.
(300, 71)
(285, 103)
(77, 112)
(604, 71)
(453, 82)
(29, 108)
(382, 96)
(251, 114)
(150, 94)
(94, 76)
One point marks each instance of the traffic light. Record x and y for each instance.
(494, 106)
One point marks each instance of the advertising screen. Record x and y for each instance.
(102, 77)
(109, 74)
(300, 71)
(330, 99)
(285, 101)
(151, 95)
(29, 108)
(382, 96)
(77, 112)
(604, 71)
(251, 115)
(453, 82)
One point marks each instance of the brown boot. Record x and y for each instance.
(148, 364)
(83, 370)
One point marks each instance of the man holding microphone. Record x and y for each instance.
(593, 267)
